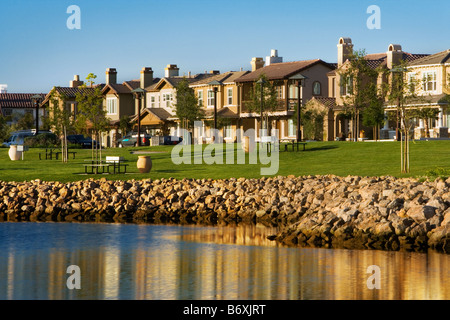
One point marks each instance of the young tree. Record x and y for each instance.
(5, 129)
(60, 119)
(92, 114)
(263, 95)
(362, 96)
(187, 107)
(402, 93)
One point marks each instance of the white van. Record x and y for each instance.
(18, 137)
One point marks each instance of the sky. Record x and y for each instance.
(39, 51)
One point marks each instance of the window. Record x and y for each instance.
(230, 96)
(291, 128)
(200, 97)
(412, 82)
(317, 88)
(280, 94)
(429, 81)
(210, 98)
(227, 130)
(293, 92)
(111, 105)
(346, 85)
(152, 101)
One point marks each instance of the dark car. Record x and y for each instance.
(79, 139)
(130, 140)
(172, 140)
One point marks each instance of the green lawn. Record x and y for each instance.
(320, 158)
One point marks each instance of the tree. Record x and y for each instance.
(125, 125)
(269, 98)
(60, 119)
(25, 122)
(426, 114)
(5, 129)
(402, 93)
(360, 92)
(91, 113)
(187, 107)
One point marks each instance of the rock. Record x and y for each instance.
(421, 213)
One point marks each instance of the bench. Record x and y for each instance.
(293, 143)
(96, 167)
(116, 162)
(49, 154)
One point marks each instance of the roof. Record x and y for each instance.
(226, 77)
(225, 112)
(438, 99)
(374, 60)
(160, 113)
(17, 100)
(71, 92)
(282, 70)
(437, 58)
(326, 101)
(174, 81)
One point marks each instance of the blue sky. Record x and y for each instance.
(38, 51)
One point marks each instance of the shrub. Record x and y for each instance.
(42, 140)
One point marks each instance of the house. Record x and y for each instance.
(224, 87)
(120, 102)
(433, 71)
(65, 97)
(16, 105)
(337, 123)
(160, 114)
(282, 75)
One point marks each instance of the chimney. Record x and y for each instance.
(345, 50)
(171, 71)
(273, 58)
(257, 63)
(111, 76)
(75, 83)
(146, 77)
(394, 55)
(3, 88)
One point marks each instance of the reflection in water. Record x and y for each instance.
(174, 262)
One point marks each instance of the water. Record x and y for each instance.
(137, 262)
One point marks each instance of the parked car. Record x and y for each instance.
(172, 140)
(18, 137)
(130, 140)
(85, 142)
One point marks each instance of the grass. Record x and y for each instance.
(427, 158)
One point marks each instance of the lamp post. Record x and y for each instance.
(215, 89)
(138, 94)
(36, 100)
(261, 83)
(300, 80)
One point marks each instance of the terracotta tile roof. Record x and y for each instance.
(282, 70)
(17, 100)
(226, 77)
(437, 58)
(375, 60)
(174, 81)
(71, 92)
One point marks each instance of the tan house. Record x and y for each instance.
(433, 73)
(283, 75)
(119, 100)
(223, 87)
(66, 96)
(160, 113)
(337, 125)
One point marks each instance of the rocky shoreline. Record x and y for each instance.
(321, 211)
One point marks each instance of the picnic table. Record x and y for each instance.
(96, 165)
(293, 142)
(50, 152)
